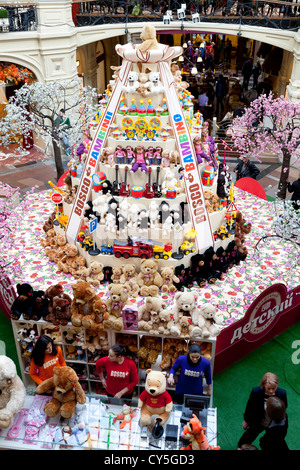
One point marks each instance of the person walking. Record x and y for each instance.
(256, 418)
(274, 437)
(247, 72)
(245, 168)
(221, 91)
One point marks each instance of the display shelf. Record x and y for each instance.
(145, 350)
(101, 431)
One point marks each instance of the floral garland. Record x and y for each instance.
(12, 74)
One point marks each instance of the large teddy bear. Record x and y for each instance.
(118, 296)
(186, 305)
(12, 392)
(67, 392)
(149, 278)
(155, 400)
(212, 325)
(148, 36)
(82, 304)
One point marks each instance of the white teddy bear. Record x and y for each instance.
(212, 325)
(170, 182)
(133, 82)
(186, 305)
(154, 84)
(101, 207)
(12, 392)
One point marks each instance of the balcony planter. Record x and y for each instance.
(4, 17)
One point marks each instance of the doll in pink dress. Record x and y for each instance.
(201, 150)
(139, 161)
(165, 159)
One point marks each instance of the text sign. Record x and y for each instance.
(56, 198)
(272, 312)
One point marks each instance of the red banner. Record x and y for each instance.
(7, 295)
(271, 313)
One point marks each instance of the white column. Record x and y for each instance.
(293, 88)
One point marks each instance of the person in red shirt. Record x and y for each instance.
(45, 356)
(121, 373)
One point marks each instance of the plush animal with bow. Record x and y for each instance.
(194, 432)
(118, 296)
(149, 278)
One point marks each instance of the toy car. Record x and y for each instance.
(187, 247)
(223, 232)
(106, 249)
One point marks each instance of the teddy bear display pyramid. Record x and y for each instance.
(150, 180)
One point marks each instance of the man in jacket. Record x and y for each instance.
(245, 168)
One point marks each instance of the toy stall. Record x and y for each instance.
(146, 243)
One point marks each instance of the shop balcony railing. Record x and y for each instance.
(17, 17)
(276, 14)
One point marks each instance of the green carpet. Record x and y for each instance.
(232, 386)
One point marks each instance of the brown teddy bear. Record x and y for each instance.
(149, 279)
(92, 340)
(60, 242)
(168, 278)
(95, 274)
(59, 311)
(129, 277)
(148, 36)
(100, 314)
(70, 262)
(55, 291)
(67, 392)
(49, 239)
(154, 393)
(118, 296)
(160, 322)
(82, 303)
(116, 275)
(151, 306)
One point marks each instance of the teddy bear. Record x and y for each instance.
(67, 392)
(95, 274)
(118, 296)
(82, 302)
(12, 392)
(55, 290)
(143, 89)
(60, 242)
(92, 340)
(168, 279)
(186, 305)
(160, 323)
(149, 278)
(133, 83)
(23, 302)
(98, 315)
(148, 36)
(144, 311)
(129, 276)
(212, 325)
(68, 262)
(154, 84)
(49, 239)
(155, 394)
(59, 311)
(116, 275)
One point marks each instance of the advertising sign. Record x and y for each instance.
(272, 312)
(7, 295)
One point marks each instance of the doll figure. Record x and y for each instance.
(129, 154)
(198, 148)
(120, 154)
(139, 161)
(108, 156)
(149, 154)
(165, 159)
(157, 155)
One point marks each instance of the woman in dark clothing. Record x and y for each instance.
(245, 168)
(295, 189)
(256, 418)
(274, 437)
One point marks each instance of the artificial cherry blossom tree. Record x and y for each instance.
(37, 107)
(270, 124)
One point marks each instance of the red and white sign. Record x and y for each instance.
(232, 207)
(7, 295)
(272, 312)
(192, 178)
(56, 198)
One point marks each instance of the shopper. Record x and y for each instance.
(192, 368)
(274, 437)
(45, 356)
(203, 103)
(295, 189)
(247, 72)
(245, 168)
(221, 91)
(256, 419)
(121, 373)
